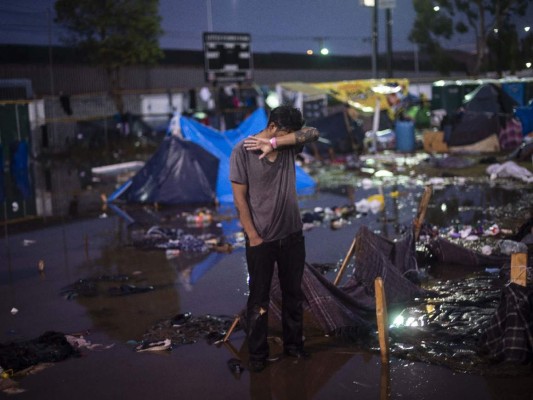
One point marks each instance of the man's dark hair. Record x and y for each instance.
(286, 118)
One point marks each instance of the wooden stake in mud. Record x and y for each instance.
(231, 329)
(422, 207)
(381, 316)
(519, 268)
(349, 255)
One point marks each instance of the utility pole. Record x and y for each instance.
(375, 40)
(388, 16)
(209, 16)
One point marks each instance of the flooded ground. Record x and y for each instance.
(97, 246)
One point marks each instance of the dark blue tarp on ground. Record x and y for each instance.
(220, 144)
(180, 172)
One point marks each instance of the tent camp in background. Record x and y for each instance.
(221, 143)
(339, 135)
(179, 172)
(485, 112)
(195, 169)
(310, 100)
(362, 94)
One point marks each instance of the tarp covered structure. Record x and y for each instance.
(196, 169)
(363, 93)
(486, 111)
(335, 134)
(221, 143)
(179, 172)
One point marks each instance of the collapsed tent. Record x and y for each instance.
(220, 144)
(509, 335)
(180, 172)
(447, 252)
(351, 307)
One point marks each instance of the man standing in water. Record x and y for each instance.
(262, 174)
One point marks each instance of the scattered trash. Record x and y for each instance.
(487, 250)
(180, 319)
(154, 346)
(14, 311)
(40, 265)
(79, 342)
(235, 366)
(28, 242)
(187, 329)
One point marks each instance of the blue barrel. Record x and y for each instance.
(405, 136)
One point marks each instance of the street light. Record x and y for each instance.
(526, 28)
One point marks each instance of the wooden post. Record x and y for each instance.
(384, 382)
(349, 255)
(231, 329)
(519, 268)
(381, 316)
(422, 207)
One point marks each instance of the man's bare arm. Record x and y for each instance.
(245, 217)
(301, 137)
(283, 139)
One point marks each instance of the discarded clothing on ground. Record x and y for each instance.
(49, 347)
(168, 238)
(509, 169)
(509, 335)
(188, 329)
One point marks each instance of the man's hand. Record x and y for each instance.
(254, 143)
(255, 241)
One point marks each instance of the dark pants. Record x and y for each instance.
(289, 255)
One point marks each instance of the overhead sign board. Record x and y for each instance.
(228, 57)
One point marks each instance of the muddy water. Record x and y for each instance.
(92, 247)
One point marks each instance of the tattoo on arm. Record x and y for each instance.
(306, 135)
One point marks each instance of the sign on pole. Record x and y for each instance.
(228, 57)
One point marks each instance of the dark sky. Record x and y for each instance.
(344, 26)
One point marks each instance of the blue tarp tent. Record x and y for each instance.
(179, 172)
(220, 144)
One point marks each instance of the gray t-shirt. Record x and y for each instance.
(271, 190)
